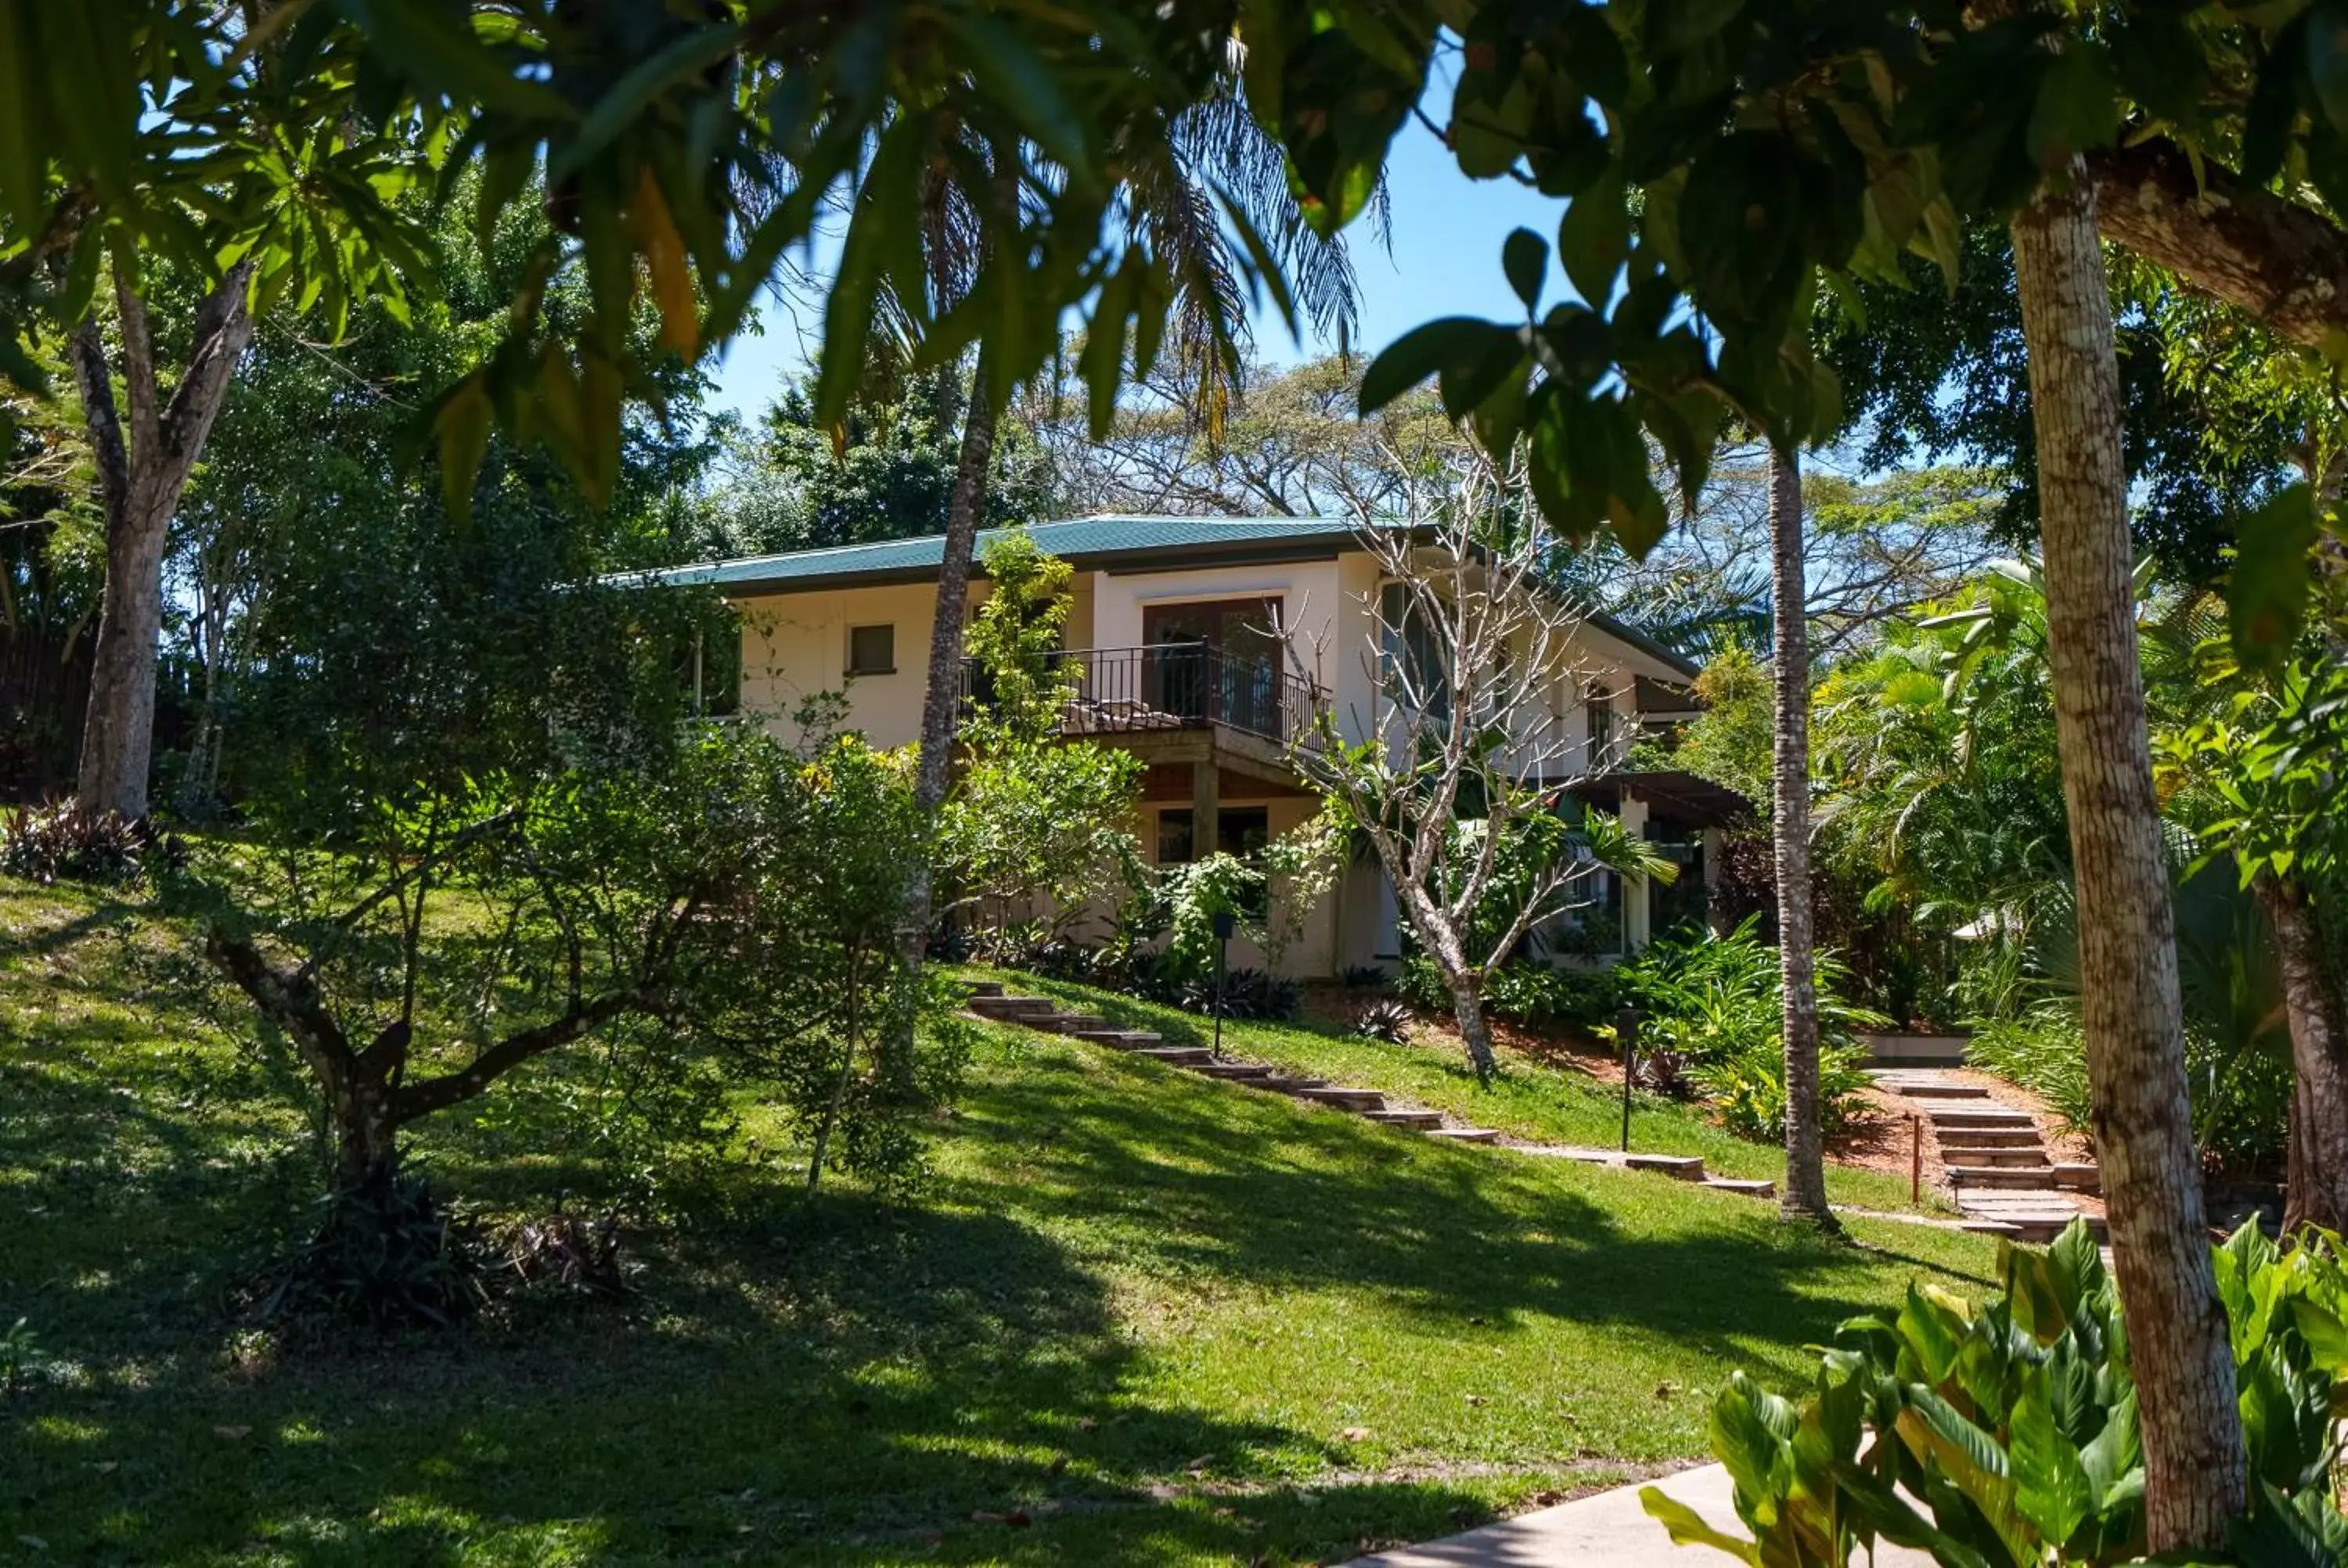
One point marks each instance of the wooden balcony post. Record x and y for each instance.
(1206, 808)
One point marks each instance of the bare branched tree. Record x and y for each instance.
(1460, 779)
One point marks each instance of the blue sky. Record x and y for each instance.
(1445, 261)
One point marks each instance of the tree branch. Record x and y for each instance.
(2282, 262)
(138, 365)
(291, 1001)
(418, 1100)
(96, 384)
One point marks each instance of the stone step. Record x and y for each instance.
(1993, 1227)
(2037, 1229)
(1176, 1055)
(1123, 1039)
(1465, 1134)
(1750, 1189)
(984, 989)
(1965, 1139)
(1941, 1090)
(1012, 1008)
(2041, 1178)
(1075, 1024)
(2008, 1158)
(1280, 1084)
(1680, 1168)
(2078, 1178)
(1236, 1072)
(1969, 1116)
(1417, 1121)
(1344, 1099)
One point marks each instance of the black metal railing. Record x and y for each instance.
(1177, 686)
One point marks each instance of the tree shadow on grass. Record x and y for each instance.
(837, 1381)
(1256, 1188)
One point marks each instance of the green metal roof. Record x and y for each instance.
(1078, 540)
(1137, 543)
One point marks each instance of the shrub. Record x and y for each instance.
(1524, 992)
(1713, 1003)
(2016, 1422)
(1747, 1088)
(1387, 1019)
(390, 1259)
(2042, 1050)
(55, 843)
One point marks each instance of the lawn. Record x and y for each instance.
(1536, 1100)
(1138, 1319)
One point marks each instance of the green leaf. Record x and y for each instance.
(1593, 239)
(1478, 365)
(2078, 105)
(2327, 59)
(682, 60)
(1524, 257)
(463, 424)
(447, 58)
(1009, 68)
(1411, 358)
(1686, 1527)
(2051, 1489)
(21, 165)
(2266, 592)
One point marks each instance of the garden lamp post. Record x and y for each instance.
(1626, 1029)
(1225, 923)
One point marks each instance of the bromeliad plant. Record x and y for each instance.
(2004, 1433)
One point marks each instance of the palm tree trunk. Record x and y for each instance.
(1806, 1175)
(942, 708)
(2316, 1193)
(2127, 950)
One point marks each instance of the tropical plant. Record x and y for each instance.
(1387, 1019)
(1712, 1003)
(2015, 1422)
(2260, 773)
(62, 842)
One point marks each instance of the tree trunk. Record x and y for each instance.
(367, 1138)
(1475, 1030)
(118, 736)
(2317, 1192)
(2127, 952)
(1806, 1174)
(942, 709)
(139, 482)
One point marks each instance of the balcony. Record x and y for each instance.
(1174, 686)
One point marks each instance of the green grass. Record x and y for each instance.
(1167, 1321)
(1536, 1101)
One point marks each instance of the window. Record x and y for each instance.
(871, 650)
(1239, 830)
(1598, 707)
(1414, 655)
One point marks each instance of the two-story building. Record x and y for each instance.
(1189, 631)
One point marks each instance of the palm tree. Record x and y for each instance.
(1806, 1178)
(1196, 191)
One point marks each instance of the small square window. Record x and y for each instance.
(871, 650)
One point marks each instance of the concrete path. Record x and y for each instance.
(1609, 1530)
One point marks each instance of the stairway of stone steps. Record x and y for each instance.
(1999, 1174)
(988, 1000)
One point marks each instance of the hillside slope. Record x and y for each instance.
(1138, 1319)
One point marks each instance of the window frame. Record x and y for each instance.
(853, 668)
